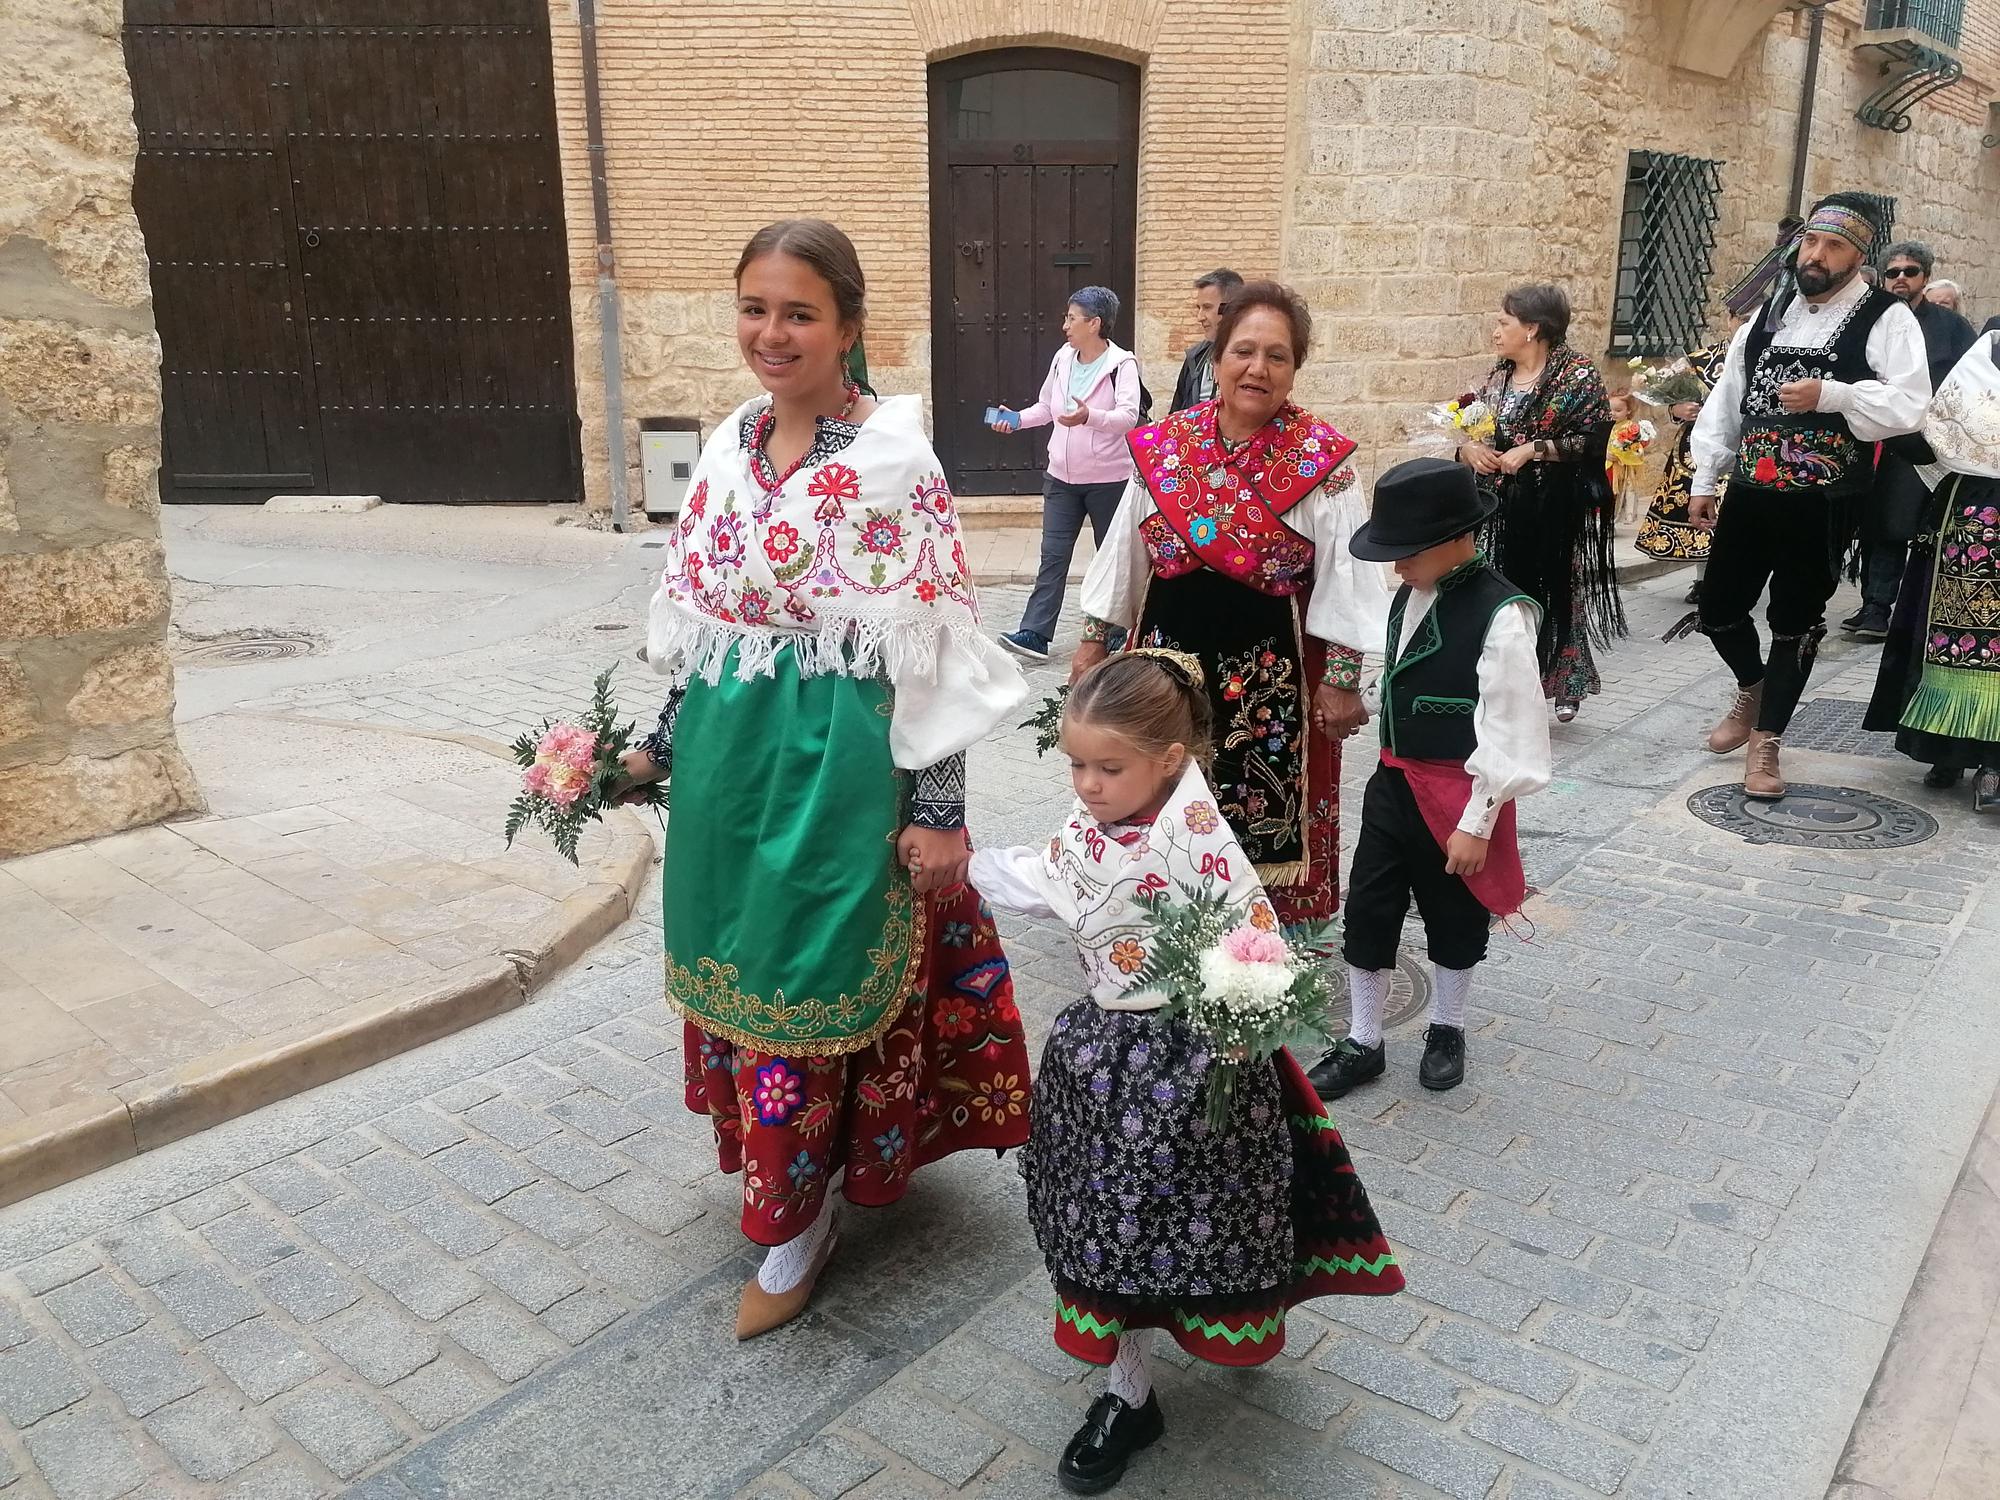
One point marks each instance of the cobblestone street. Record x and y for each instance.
(1656, 1245)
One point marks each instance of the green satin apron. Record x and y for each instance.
(790, 926)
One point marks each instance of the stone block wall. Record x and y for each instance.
(1456, 147)
(86, 689)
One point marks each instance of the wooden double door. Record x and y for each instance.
(353, 214)
(1034, 193)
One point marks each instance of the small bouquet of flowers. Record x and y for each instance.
(1666, 385)
(572, 773)
(1629, 441)
(1468, 417)
(1238, 982)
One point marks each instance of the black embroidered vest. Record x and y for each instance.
(1430, 691)
(1810, 450)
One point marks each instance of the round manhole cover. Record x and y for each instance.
(244, 646)
(1824, 817)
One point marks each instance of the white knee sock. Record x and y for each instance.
(1450, 990)
(1131, 1381)
(1367, 992)
(786, 1265)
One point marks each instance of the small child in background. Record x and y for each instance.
(1464, 733)
(1148, 1217)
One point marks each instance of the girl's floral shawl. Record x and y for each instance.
(1102, 880)
(855, 559)
(1565, 405)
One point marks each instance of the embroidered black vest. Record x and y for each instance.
(1810, 450)
(1430, 691)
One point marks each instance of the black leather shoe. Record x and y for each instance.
(1943, 778)
(1444, 1058)
(1870, 625)
(1347, 1066)
(1986, 792)
(1854, 619)
(1693, 595)
(1096, 1457)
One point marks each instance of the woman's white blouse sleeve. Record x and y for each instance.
(1115, 583)
(975, 687)
(1350, 602)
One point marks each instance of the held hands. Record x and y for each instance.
(1799, 395)
(1338, 713)
(1517, 458)
(1076, 418)
(640, 770)
(937, 858)
(1702, 511)
(1088, 655)
(1465, 854)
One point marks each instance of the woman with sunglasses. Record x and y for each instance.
(1553, 532)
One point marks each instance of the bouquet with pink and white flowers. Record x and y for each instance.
(572, 774)
(1240, 983)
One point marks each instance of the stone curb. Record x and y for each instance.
(61, 1145)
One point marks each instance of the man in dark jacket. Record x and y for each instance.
(1894, 506)
(1197, 382)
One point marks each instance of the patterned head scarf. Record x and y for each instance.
(1846, 216)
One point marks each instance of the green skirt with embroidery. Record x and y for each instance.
(790, 927)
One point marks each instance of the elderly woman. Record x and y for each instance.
(1092, 398)
(1553, 532)
(1947, 294)
(849, 1012)
(1231, 544)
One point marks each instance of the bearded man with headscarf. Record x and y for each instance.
(1828, 368)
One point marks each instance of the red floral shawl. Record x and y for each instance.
(1225, 510)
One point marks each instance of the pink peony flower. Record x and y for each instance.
(569, 744)
(1252, 945)
(536, 779)
(566, 782)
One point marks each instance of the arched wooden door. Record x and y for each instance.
(1034, 192)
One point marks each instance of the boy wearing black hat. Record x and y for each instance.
(1464, 733)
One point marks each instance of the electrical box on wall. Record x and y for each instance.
(669, 448)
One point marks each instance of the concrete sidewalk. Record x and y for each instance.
(348, 897)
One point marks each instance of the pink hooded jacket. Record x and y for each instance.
(1095, 452)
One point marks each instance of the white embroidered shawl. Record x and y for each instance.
(856, 562)
(1962, 424)
(1103, 889)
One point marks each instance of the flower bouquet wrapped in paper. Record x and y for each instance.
(1629, 442)
(1240, 983)
(1468, 419)
(1666, 385)
(571, 774)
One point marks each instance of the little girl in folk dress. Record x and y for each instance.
(1146, 1216)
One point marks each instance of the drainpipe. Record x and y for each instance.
(1802, 142)
(607, 268)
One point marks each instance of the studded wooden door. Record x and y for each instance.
(1034, 172)
(353, 210)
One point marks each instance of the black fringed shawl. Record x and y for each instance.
(1553, 534)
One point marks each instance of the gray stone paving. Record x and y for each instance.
(1655, 1245)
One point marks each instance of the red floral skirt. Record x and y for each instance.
(950, 1074)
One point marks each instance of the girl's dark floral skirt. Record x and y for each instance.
(1148, 1219)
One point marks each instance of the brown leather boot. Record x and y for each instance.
(1762, 778)
(1732, 730)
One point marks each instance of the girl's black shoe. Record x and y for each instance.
(1096, 1457)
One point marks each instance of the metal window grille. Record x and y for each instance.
(1940, 20)
(1885, 216)
(1666, 250)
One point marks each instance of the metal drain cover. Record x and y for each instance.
(1821, 817)
(238, 647)
(1835, 724)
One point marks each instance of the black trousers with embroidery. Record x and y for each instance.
(1397, 857)
(1791, 540)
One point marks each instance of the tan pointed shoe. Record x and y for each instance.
(761, 1311)
(1762, 777)
(1732, 731)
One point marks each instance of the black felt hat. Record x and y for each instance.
(1418, 505)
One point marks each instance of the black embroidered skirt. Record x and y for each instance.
(1148, 1219)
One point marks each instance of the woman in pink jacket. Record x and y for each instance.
(1092, 398)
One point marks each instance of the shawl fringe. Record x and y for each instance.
(850, 644)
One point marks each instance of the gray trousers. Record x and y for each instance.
(1064, 509)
